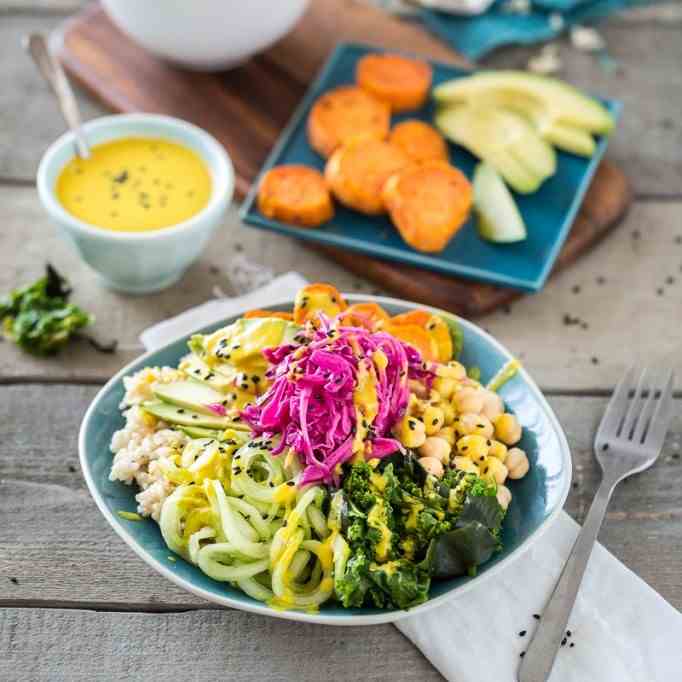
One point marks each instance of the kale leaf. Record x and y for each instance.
(461, 550)
(39, 318)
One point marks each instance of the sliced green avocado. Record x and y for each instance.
(174, 414)
(499, 219)
(195, 368)
(201, 432)
(502, 138)
(192, 395)
(563, 102)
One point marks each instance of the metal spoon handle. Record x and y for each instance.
(51, 69)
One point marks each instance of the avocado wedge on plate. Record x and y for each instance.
(561, 114)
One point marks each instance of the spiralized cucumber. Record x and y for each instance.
(250, 525)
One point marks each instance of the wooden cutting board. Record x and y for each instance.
(246, 109)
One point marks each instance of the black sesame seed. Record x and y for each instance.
(72, 468)
(195, 416)
(434, 422)
(255, 378)
(563, 641)
(522, 654)
(572, 644)
(576, 289)
(522, 633)
(181, 411)
(14, 580)
(536, 616)
(290, 483)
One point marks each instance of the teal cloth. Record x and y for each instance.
(476, 36)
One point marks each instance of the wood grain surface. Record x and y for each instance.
(246, 109)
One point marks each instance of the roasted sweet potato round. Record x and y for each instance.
(420, 141)
(295, 194)
(356, 173)
(401, 82)
(428, 203)
(344, 113)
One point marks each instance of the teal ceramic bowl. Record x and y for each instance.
(537, 498)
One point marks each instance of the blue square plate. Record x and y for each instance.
(548, 213)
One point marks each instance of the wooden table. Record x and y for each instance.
(79, 605)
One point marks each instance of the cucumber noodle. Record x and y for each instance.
(238, 515)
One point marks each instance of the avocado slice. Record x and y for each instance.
(174, 414)
(504, 139)
(561, 101)
(191, 395)
(499, 219)
(195, 368)
(201, 432)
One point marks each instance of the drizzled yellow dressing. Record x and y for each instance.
(135, 184)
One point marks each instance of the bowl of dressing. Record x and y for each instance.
(141, 209)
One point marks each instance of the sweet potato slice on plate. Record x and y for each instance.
(434, 325)
(344, 113)
(357, 172)
(268, 313)
(369, 315)
(317, 298)
(401, 82)
(295, 194)
(420, 141)
(428, 203)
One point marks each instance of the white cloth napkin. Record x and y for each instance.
(622, 630)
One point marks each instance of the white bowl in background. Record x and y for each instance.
(140, 262)
(205, 34)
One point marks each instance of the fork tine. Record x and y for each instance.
(615, 410)
(635, 407)
(660, 420)
(647, 409)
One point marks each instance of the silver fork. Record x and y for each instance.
(629, 440)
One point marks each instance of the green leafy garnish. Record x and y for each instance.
(474, 373)
(39, 318)
(129, 516)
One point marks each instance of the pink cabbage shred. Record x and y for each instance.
(310, 401)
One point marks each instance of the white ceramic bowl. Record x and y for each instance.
(140, 262)
(205, 34)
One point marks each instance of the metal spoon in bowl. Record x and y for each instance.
(36, 45)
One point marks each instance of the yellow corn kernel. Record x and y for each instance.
(433, 420)
(465, 464)
(149, 419)
(447, 433)
(434, 397)
(508, 429)
(445, 386)
(453, 370)
(410, 432)
(494, 470)
(448, 412)
(497, 450)
(465, 424)
(474, 447)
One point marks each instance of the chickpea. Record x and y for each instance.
(453, 370)
(498, 450)
(493, 406)
(504, 496)
(447, 433)
(448, 412)
(433, 420)
(468, 399)
(465, 424)
(434, 397)
(493, 468)
(474, 447)
(465, 464)
(517, 463)
(410, 432)
(432, 466)
(437, 448)
(508, 429)
(445, 386)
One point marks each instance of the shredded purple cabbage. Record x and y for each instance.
(309, 403)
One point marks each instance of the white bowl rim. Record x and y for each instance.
(320, 617)
(222, 165)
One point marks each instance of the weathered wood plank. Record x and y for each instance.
(646, 144)
(60, 549)
(558, 356)
(82, 645)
